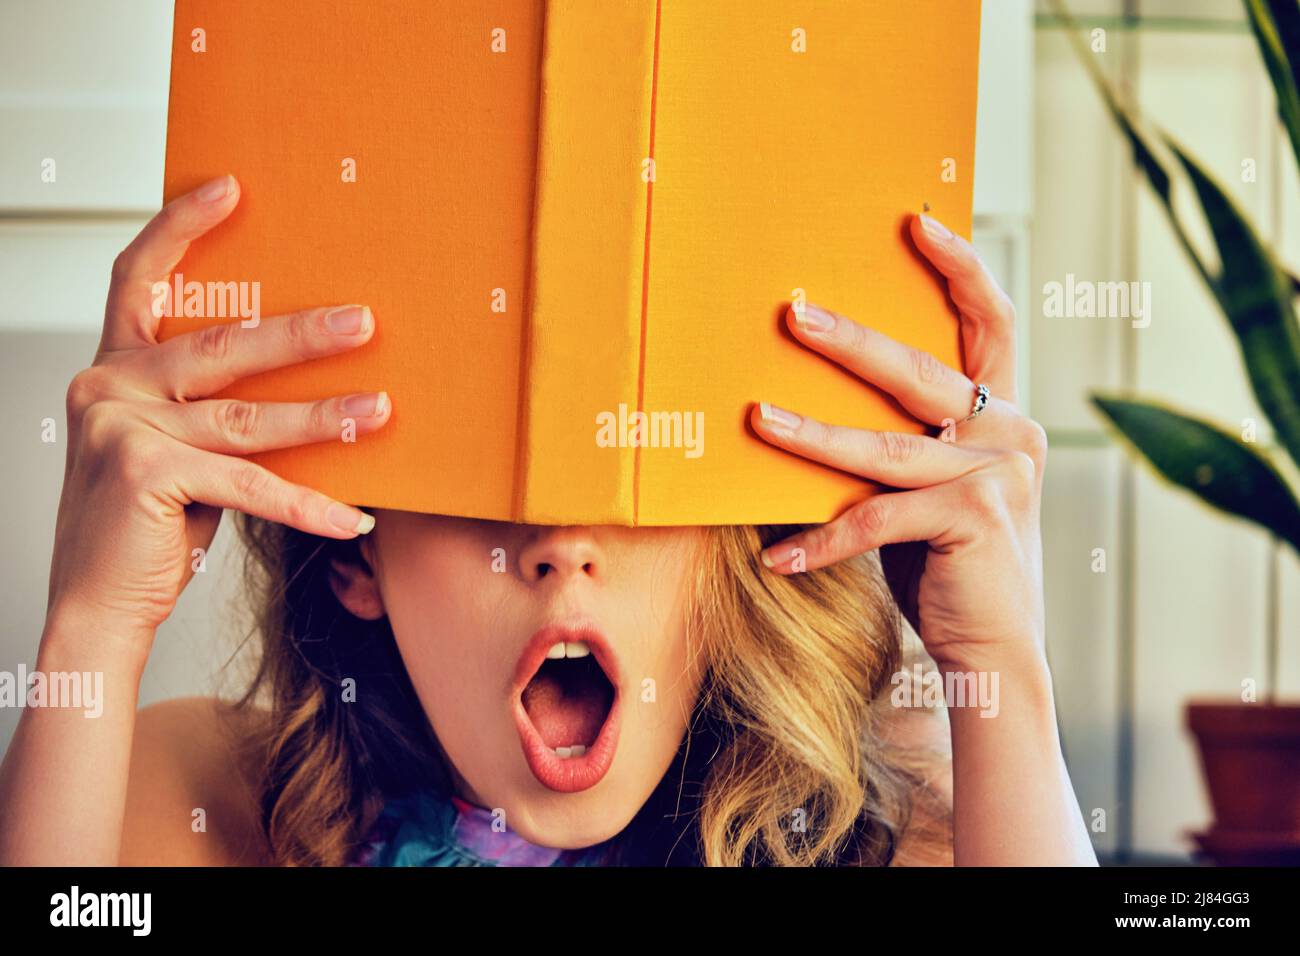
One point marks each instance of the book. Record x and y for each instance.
(579, 226)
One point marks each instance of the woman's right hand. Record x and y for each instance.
(153, 459)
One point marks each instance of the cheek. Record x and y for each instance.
(669, 667)
(447, 619)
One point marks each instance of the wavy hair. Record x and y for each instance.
(782, 763)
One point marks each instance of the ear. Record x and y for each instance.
(353, 581)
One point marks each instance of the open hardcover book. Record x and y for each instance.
(579, 225)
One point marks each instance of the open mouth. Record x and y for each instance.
(568, 699)
(567, 707)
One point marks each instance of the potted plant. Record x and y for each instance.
(1249, 749)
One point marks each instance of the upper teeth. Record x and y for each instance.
(568, 649)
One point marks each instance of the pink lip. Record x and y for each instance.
(572, 774)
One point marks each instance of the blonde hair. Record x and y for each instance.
(782, 763)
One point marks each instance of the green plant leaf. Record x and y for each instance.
(1255, 294)
(1276, 25)
(1221, 470)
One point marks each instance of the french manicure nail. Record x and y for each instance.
(365, 405)
(348, 320)
(778, 417)
(217, 189)
(814, 318)
(935, 229)
(345, 519)
(777, 554)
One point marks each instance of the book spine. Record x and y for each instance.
(581, 365)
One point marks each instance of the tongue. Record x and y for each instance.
(566, 713)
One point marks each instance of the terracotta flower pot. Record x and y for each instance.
(1250, 756)
(1242, 848)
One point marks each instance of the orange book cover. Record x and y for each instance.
(564, 214)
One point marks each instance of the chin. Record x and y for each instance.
(571, 821)
(566, 834)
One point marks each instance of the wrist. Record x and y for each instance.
(80, 638)
(1015, 673)
(1025, 657)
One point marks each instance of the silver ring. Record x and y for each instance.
(981, 399)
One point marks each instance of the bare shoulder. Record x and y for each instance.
(191, 795)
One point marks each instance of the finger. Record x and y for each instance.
(198, 364)
(241, 485)
(232, 427)
(929, 389)
(891, 458)
(925, 514)
(130, 320)
(988, 316)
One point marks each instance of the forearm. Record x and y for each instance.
(63, 782)
(1013, 804)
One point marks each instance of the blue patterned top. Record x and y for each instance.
(430, 829)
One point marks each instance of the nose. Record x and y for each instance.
(561, 552)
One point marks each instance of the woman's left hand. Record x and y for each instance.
(960, 542)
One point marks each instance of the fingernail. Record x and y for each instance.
(345, 519)
(348, 320)
(814, 318)
(777, 554)
(365, 405)
(935, 229)
(778, 417)
(217, 189)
